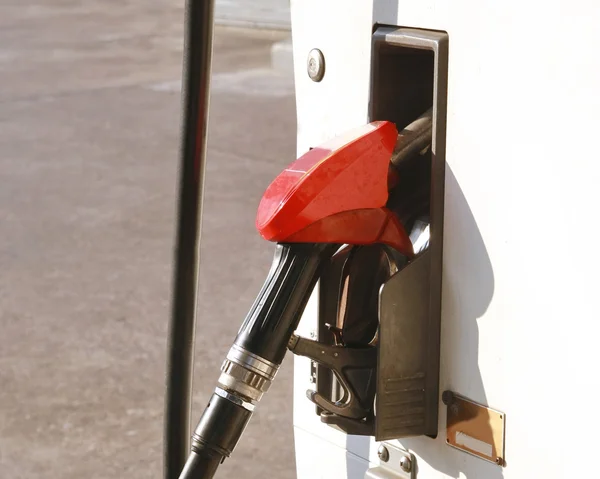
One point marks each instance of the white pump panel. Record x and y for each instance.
(520, 317)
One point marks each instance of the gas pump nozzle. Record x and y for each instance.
(333, 195)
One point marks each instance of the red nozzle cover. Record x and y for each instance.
(336, 193)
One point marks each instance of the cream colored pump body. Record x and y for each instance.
(520, 308)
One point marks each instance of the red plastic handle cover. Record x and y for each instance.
(336, 193)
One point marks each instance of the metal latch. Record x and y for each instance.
(394, 463)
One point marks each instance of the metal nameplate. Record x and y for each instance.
(474, 428)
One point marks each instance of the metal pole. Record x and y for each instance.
(195, 97)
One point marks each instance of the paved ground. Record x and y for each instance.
(89, 119)
(274, 13)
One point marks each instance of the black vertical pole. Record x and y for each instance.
(195, 98)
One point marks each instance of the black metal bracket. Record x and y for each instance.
(410, 301)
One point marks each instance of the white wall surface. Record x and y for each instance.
(520, 288)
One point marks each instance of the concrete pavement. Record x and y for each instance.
(89, 126)
(262, 13)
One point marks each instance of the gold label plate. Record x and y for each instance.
(474, 428)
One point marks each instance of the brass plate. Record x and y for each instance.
(474, 428)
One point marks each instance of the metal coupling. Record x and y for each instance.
(246, 374)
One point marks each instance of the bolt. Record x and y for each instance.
(313, 334)
(499, 461)
(315, 65)
(405, 464)
(383, 453)
(447, 397)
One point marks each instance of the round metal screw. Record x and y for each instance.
(448, 398)
(383, 453)
(405, 464)
(315, 65)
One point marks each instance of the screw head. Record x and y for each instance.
(448, 398)
(405, 464)
(383, 453)
(315, 65)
